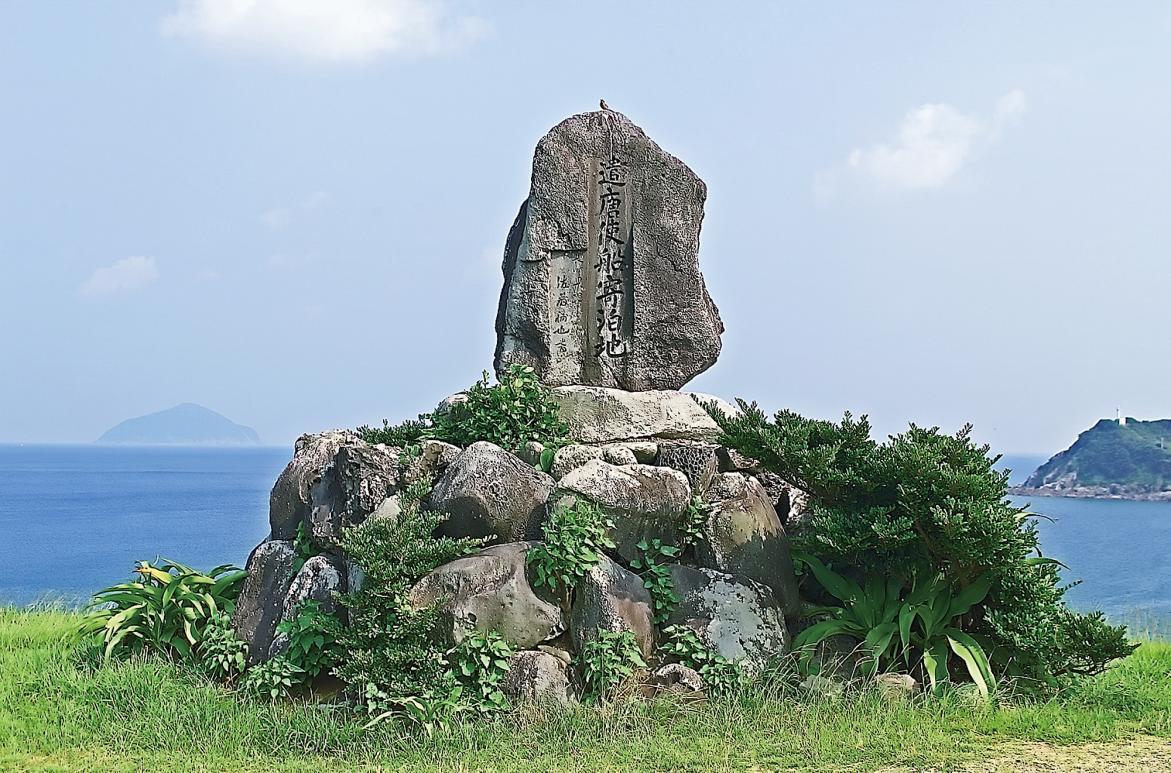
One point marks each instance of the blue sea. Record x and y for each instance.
(76, 518)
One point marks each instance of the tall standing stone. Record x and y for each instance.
(601, 269)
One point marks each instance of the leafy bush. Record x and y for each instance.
(720, 675)
(481, 660)
(516, 411)
(913, 630)
(697, 514)
(272, 679)
(924, 504)
(575, 537)
(222, 654)
(607, 661)
(164, 612)
(390, 649)
(313, 639)
(303, 547)
(656, 576)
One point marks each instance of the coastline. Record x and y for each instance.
(1092, 492)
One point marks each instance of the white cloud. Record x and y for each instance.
(933, 143)
(331, 31)
(277, 218)
(126, 275)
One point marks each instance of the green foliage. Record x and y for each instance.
(401, 435)
(164, 612)
(431, 713)
(923, 504)
(575, 538)
(697, 514)
(313, 639)
(656, 576)
(303, 547)
(514, 412)
(545, 462)
(387, 644)
(720, 675)
(917, 630)
(272, 679)
(222, 654)
(481, 660)
(608, 660)
(510, 414)
(1133, 455)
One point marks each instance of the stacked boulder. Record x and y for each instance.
(604, 300)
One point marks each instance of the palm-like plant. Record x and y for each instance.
(919, 630)
(165, 611)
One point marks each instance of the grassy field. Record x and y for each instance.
(57, 713)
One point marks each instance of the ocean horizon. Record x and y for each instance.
(76, 517)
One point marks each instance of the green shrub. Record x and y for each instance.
(390, 648)
(575, 538)
(164, 612)
(303, 547)
(720, 675)
(656, 576)
(607, 661)
(481, 660)
(272, 679)
(697, 515)
(917, 630)
(313, 639)
(924, 504)
(222, 654)
(516, 411)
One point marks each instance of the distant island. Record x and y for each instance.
(1114, 459)
(185, 424)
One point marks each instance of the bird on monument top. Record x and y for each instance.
(602, 104)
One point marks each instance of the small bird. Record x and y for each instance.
(602, 104)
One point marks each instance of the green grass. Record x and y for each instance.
(57, 712)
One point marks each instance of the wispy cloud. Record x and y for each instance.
(123, 276)
(327, 31)
(280, 218)
(277, 218)
(932, 145)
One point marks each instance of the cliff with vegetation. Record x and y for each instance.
(1112, 460)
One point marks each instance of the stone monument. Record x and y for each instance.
(601, 268)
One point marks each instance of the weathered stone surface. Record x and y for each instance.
(537, 677)
(598, 415)
(290, 501)
(601, 268)
(645, 451)
(358, 480)
(318, 579)
(695, 460)
(677, 678)
(610, 598)
(645, 502)
(728, 409)
(434, 457)
(790, 502)
(530, 452)
(896, 687)
(735, 616)
(489, 591)
(616, 453)
(573, 456)
(744, 536)
(488, 492)
(260, 604)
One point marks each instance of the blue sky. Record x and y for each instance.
(293, 212)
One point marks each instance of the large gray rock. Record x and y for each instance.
(290, 501)
(744, 536)
(489, 591)
(610, 598)
(488, 492)
(261, 600)
(318, 579)
(358, 480)
(573, 456)
(537, 677)
(601, 268)
(735, 616)
(600, 415)
(645, 502)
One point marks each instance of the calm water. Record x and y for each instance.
(75, 518)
